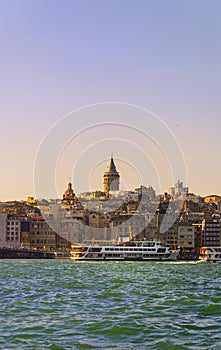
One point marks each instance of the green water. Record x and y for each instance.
(61, 304)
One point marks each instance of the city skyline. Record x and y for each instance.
(112, 170)
(161, 56)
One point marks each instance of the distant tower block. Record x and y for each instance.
(111, 178)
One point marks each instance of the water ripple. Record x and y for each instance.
(106, 305)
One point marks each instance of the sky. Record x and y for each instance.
(58, 56)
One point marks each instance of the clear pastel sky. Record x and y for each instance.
(56, 56)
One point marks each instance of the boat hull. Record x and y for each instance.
(130, 251)
(123, 259)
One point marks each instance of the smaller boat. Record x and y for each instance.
(211, 254)
(13, 253)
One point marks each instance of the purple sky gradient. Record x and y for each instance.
(56, 56)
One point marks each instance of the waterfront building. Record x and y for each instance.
(3, 225)
(10, 230)
(211, 232)
(198, 236)
(170, 236)
(41, 235)
(111, 178)
(186, 237)
(13, 231)
(25, 229)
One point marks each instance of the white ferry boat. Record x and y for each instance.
(130, 251)
(211, 254)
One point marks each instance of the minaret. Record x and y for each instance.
(111, 178)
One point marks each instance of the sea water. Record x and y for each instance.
(62, 304)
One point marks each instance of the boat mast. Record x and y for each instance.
(130, 231)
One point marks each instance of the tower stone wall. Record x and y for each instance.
(111, 178)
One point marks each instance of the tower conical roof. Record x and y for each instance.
(111, 167)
